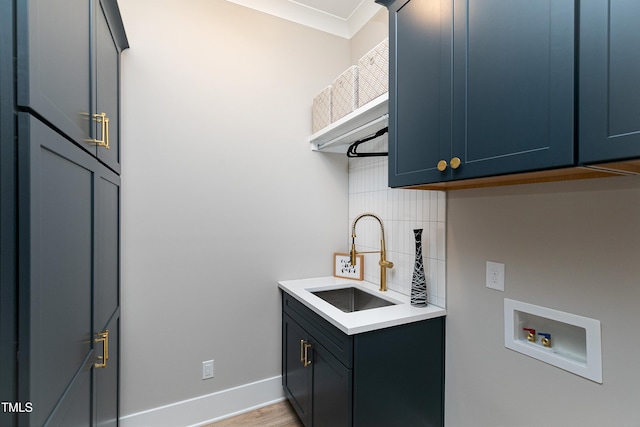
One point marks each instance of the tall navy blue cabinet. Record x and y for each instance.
(60, 167)
(609, 86)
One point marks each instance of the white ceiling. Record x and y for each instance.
(340, 17)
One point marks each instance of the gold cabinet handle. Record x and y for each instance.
(302, 342)
(455, 163)
(306, 361)
(104, 126)
(442, 165)
(106, 131)
(104, 338)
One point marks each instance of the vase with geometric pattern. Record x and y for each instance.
(418, 282)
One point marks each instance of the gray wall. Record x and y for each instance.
(222, 196)
(376, 30)
(572, 246)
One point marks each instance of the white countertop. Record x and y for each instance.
(360, 321)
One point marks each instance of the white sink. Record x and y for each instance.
(367, 309)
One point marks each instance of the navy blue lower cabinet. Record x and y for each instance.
(609, 91)
(331, 388)
(296, 378)
(388, 377)
(69, 286)
(56, 182)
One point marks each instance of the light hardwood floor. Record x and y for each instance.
(278, 415)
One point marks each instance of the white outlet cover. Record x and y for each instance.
(207, 369)
(495, 275)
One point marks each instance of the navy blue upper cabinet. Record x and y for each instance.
(513, 92)
(68, 70)
(420, 90)
(479, 88)
(53, 63)
(107, 87)
(609, 91)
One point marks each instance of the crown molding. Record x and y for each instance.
(315, 18)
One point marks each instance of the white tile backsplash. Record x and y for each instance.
(401, 211)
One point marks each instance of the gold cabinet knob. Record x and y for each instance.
(455, 162)
(442, 165)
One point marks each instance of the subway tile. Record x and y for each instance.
(419, 205)
(442, 268)
(440, 240)
(433, 240)
(442, 206)
(410, 205)
(401, 211)
(433, 205)
(426, 205)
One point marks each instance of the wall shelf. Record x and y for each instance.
(360, 123)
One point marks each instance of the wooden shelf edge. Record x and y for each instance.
(567, 174)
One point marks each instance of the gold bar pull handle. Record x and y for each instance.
(307, 362)
(104, 131)
(104, 338)
(302, 343)
(106, 346)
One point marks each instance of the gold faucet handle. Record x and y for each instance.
(352, 255)
(386, 264)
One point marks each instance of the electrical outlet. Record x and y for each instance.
(495, 276)
(207, 369)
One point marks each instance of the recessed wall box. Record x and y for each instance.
(576, 345)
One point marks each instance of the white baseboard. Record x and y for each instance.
(211, 407)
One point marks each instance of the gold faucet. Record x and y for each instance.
(383, 263)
